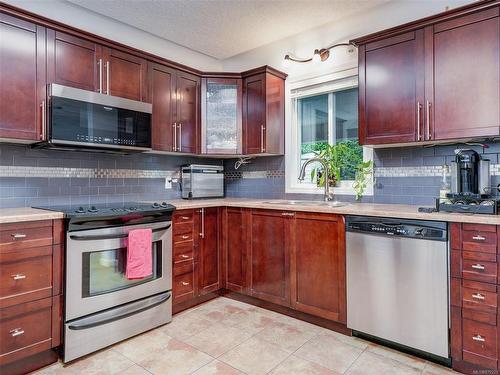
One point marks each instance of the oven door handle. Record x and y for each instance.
(110, 236)
(120, 312)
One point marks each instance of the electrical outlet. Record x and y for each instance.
(168, 183)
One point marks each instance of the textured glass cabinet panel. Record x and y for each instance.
(222, 128)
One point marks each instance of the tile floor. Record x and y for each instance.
(228, 337)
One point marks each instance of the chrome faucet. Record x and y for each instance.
(328, 195)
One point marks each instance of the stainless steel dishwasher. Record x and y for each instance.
(397, 281)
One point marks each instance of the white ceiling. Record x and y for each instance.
(225, 28)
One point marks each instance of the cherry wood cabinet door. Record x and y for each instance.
(126, 75)
(391, 89)
(254, 114)
(274, 134)
(463, 96)
(318, 266)
(188, 112)
(236, 253)
(270, 255)
(22, 79)
(74, 62)
(209, 255)
(163, 99)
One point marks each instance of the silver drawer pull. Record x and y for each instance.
(185, 237)
(185, 217)
(478, 296)
(185, 283)
(18, 236)
(184, 256)
(287, 214)
(478, 338)
(478, 266)
(18, 276)
(478, 238)
(16, 332)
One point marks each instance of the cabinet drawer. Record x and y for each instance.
(479, 343)
(183, 252)
(25, 329)
(183, 237)
(480, 296)
(485, 242)
(26, 279)
(183, 287)
(25, 235)
(183, 217)
(479, 271)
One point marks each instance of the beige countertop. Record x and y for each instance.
(12, 215)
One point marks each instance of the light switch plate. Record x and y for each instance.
(168, 183)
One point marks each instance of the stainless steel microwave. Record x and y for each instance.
(90, 120)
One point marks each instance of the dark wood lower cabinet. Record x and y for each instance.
(209, 263)
(235, 236)
(318, 266)
(270, 256)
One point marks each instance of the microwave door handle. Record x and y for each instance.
(110, 236)
(120, 313)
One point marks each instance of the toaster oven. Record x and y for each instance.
(202, 181)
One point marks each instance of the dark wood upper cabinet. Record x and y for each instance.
(188, 112)
(235, 248)
(74, 62)
(125, 75)
(163, 98)
(263, 111)
(318, 266)
(432, 80)
(22, 79)
(391, 89)
(209, 251)
(270, 255)
(463, 96)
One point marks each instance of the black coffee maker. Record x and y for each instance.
(470, 174)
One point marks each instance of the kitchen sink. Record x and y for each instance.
(308, 203)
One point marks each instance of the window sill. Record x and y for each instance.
(344, 188)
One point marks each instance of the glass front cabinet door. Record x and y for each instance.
(221, 107)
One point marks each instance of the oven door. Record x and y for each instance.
(96, 263)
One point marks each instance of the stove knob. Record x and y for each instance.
(93, 209)
(419, 232)
(156, 205)
(80, 210)
(132, 208)
(164, 204)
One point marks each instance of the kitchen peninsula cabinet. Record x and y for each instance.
(435, 79)
(318, 266)
(22, 79)
(263, 111)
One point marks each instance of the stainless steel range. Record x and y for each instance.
(102, 306)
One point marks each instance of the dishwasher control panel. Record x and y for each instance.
(399, 228)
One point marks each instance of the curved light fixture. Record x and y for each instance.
(319, 55)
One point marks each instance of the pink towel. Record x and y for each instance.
(139, 254)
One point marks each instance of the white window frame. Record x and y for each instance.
(340, 80)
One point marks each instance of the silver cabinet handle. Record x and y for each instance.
(184, 256)
(18, 276)
(478, 266)
(107, 78)
(18, 236)
(478, 296)
(180, 136)
(100, 75)
(185, 237)
(262, 130)
(16, 332)
(185, 283)
(478, 338)
(419, 110)
(428, 114)
(44, 119)
(478, 238)
(202, 213)
(185, 217)
(287, 214)
(174, 143)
